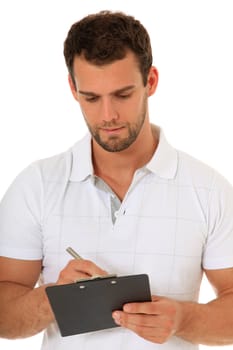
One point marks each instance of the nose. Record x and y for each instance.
(108, 111)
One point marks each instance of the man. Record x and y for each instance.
(127, 202)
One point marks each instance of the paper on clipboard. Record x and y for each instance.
(87, 306)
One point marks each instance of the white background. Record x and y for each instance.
(193, 51)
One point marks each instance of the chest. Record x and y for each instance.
(159, 230)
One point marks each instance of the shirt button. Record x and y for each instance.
(116, 214)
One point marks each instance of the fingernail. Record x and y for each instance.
(127, 308)
(117, 317)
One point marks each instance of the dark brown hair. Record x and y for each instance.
(106, 37)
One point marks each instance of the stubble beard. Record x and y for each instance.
(115, 143)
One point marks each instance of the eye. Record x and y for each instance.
(124, 96)
(91, 99)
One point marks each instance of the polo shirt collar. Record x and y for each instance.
(82, 166)
(163, 163)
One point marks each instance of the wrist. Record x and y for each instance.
(185, 314)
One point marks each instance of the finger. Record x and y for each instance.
(137, 320)
(87, 267)
(79, 269)
(150, 308)
(70, 276)
(156, 298)
(70, 279)
(153, 328)
(158, 306)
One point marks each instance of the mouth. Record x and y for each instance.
(114, 130)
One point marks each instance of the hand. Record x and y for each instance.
(155, 321)
(78, 269)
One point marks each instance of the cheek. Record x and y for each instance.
(131, 107)
(137, 106)
(88, 111)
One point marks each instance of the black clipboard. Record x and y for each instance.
(87, 306)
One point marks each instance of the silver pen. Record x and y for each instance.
(73, 253)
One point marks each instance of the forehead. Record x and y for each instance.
(109, 77)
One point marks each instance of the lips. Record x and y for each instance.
(112, 130)
(115, 128)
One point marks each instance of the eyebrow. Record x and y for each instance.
(118, 91)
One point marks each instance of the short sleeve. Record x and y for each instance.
(21, 217)
(218, 252)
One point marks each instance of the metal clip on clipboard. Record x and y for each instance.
(96, 277)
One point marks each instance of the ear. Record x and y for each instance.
(152, 81)
(73, 87)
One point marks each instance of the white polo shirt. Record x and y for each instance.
(175, 220)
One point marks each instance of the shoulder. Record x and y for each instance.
(50, 174)
(56, 168)
(62, 167)
(195, 172)
(52, 169)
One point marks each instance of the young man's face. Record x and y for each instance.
(113, 100)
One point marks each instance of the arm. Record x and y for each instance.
(212, 323)
(209, 324)
(25, 310)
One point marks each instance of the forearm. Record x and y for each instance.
(24, 311)
(209, 324)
